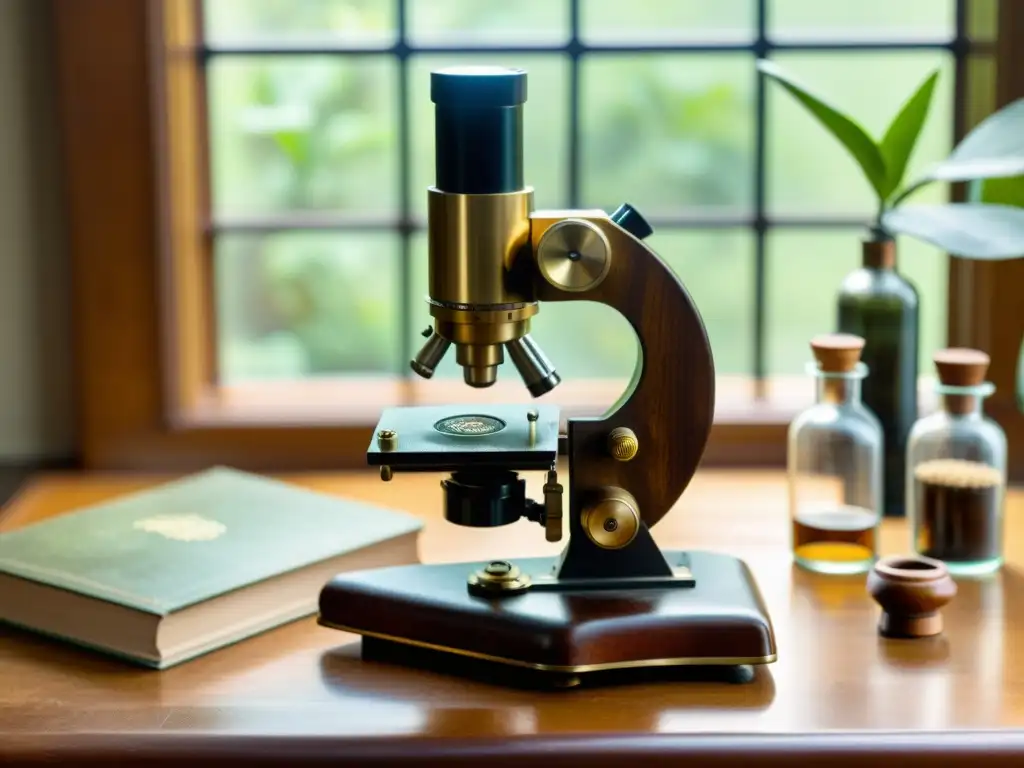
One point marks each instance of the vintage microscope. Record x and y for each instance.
(613, 599)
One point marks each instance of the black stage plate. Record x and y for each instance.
(453, 437)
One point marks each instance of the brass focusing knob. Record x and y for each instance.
(623, 443)
(574, 255)
(612, 522)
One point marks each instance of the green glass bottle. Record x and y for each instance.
(881, 306)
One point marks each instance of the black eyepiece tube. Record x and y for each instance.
(478, 129)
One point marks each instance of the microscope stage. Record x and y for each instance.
(457, 437)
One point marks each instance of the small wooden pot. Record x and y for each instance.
(911, 589)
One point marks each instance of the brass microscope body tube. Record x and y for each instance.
(478, 229)
(473, 243)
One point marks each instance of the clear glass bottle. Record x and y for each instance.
(834, 463)
(956, 470)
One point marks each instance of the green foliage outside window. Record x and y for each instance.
(305, 138)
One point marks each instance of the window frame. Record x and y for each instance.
(129, 92)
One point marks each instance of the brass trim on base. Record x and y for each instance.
(710, 661)
(681, 578)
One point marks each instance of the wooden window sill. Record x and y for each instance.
(358, 402)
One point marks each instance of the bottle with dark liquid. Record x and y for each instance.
(956, 477)
(878, 304)
(834, 464)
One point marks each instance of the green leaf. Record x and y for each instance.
(295, 145)
(994, 149)
(970, 230)
(898, 143)
(856, 140)
(1007, 191)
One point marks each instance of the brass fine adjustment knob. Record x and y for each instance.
(613, 521)
(623, 444)
(553, 508)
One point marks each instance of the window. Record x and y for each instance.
(321, 149)
(293, 149)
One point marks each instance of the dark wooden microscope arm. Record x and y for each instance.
(670, 401)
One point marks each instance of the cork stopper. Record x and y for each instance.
(837, 352)
(961, 367)
(878, 253)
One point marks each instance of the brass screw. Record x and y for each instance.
(623, 444)
(387, 439)
(532, 416)
(499, 577)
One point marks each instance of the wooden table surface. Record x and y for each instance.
(301, 691)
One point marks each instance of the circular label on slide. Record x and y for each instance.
(469, 425)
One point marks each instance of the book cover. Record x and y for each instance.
(185, 542)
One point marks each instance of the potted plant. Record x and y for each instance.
(875, 301)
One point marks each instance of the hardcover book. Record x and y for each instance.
(167, 574)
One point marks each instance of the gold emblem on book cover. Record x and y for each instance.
(182, 527)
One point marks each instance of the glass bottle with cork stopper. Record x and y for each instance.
(956, 470)
(882, 306)
(834, 465)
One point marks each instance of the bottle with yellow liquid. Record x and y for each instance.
(835, 465)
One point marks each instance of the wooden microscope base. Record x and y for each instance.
(425, 615)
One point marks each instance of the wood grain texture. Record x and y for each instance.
(670, 403)
(102, 48)
(182, 192)
(301, 694)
